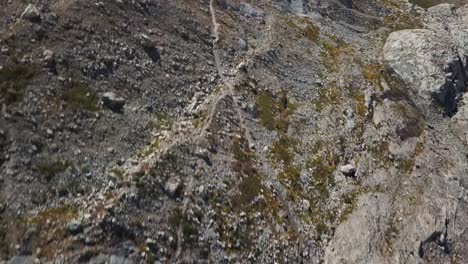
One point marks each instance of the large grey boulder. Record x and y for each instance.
(428, 63)
(433, 61)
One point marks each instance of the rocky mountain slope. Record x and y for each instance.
(230, 131)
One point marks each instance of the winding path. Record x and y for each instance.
(279, 189)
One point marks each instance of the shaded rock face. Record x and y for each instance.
(449, 96)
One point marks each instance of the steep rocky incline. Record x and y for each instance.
(230, 131)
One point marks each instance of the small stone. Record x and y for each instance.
(243, 44)
(150, 242)
(348, 170)
(111, 185)
(117, 260)
(305, 205)
(31, 13)
(201, 188)
(21, 260)
(172, 187)
(74, 227)
(113, 102)
(49, 56)
(242, 66)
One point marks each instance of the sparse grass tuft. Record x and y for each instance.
(331, 55)
(161, 121)
(283, 149)
(400, 20)
(350, 203)
(414, 124)
(80, 97)
(266, 109)
(360, 102)
(306, 28)
(373, 72)
(311, 32)
(274, 111)
(13, 81)
(51, 228)
(251, 183)
(50, 169)
(119, 173)
(392, 231)
(291, 178)
(327, 96)
(152, 148)
(180, 219)
(323, 167)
